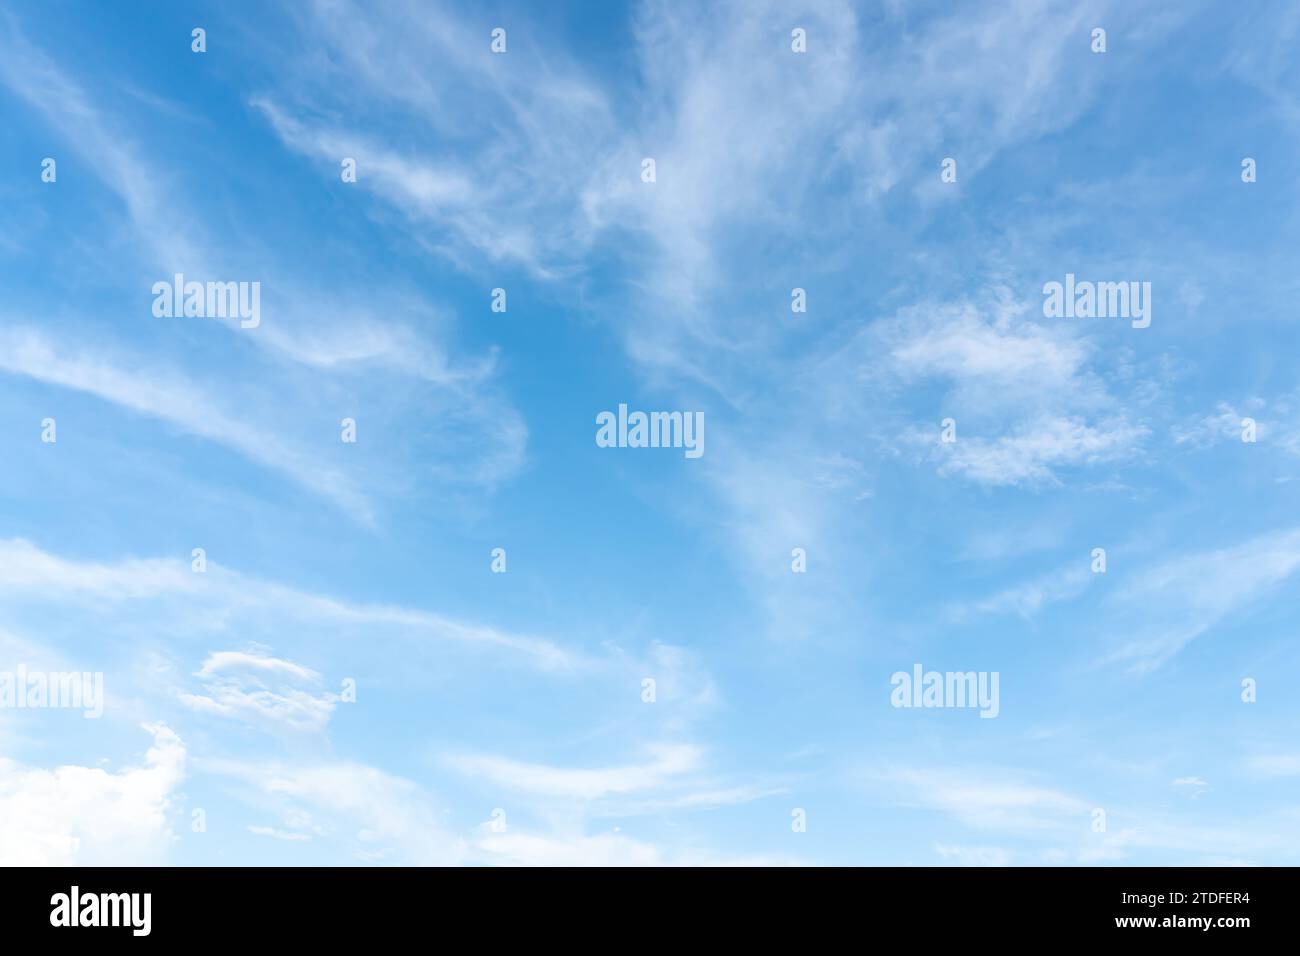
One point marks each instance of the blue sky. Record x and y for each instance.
(499, 717)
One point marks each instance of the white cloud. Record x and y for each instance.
(169, 397)
(992, 799)
(684, 688)
(1242, 842)
(377, 816)
(317, 326)
(1275, 423)
(1027, 600)
(214, 599)
(86, 816)
(65, 104)
(1274, 765)
(1223, 425)
(746, 134)
(26, 569)
(973, 855)
(705, 798)
(273, 833)
(1195, 786)
(514, 848)
(1038, 449)
(221, 662)
(523, 124)
(606, 849)
(263, 691)
(669, 762)
(1057, 824)
(993, 356)
(1023, 395)
(1173, 603)
(741, 131)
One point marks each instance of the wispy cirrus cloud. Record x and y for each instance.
(1174, 603)
(526, 126)
(994, 799)
(668, 761)
(311, 325)
(170, 397)
(1274, 764)
(211, 601)
(111, 152)
(371, 816)
(605, 849)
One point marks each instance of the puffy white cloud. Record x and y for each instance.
(87, 816)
